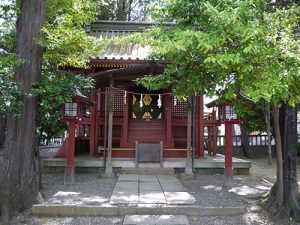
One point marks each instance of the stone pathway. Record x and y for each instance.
(150, 189)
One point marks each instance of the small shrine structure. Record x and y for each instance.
(129, 121)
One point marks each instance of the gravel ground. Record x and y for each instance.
(91, 189)
(210, 192)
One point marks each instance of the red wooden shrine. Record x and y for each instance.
(125, 113)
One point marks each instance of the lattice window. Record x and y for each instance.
(119, 101)
(180, 109)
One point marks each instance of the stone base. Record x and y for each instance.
(228, 176)
(109, 171)
(69, 175)
(186, 176)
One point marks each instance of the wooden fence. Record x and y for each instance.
(254, 140)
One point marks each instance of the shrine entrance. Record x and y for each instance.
(147, 105)
(147, 123)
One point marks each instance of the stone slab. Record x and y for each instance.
(155, 220)
(128, 177)
(125, 192)
(179, 198)
(163, 177)
(147, 178)
(170, 184)
(151, 193)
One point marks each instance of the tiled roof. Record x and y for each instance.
(113, 29)
(121, 51)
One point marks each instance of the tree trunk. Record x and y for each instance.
(279, 182)
(268, 125)
(290, 162)
(20, 176)
(2, 130)
(245, 142)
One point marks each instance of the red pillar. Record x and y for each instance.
(201, 127)
(93, 126)
(215, 134)
(228, 172)
(69, 170)
(97, 119)
(209, 140)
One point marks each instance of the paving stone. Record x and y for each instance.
(150, 189)
(128, 177)
(179, 198)
(170, 184)
(150, 186)
(151, 193)
(125, 192)
(152, 197)
(147, 178)
(166, 178)
(155, 220)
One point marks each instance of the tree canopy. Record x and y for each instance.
(229, 48)
(221, 47)
(65, 44)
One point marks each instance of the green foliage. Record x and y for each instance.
(10, 95)
(54, 90)
(123, 10)
(66, 45)
(65, 40)
(252, 114)
(218, 47)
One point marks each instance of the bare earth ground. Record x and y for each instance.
(91, 189)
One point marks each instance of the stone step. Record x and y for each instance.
(55, 210)
(150, 170)
(156, 220)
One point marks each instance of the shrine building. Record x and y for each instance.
(122, 124)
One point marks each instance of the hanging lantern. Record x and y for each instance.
(230, 114)
(71, 110)
(226, 112)
(78, 109)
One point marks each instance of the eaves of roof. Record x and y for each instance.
(103, 30)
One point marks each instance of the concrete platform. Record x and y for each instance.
(208, 164)
(156, 220)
